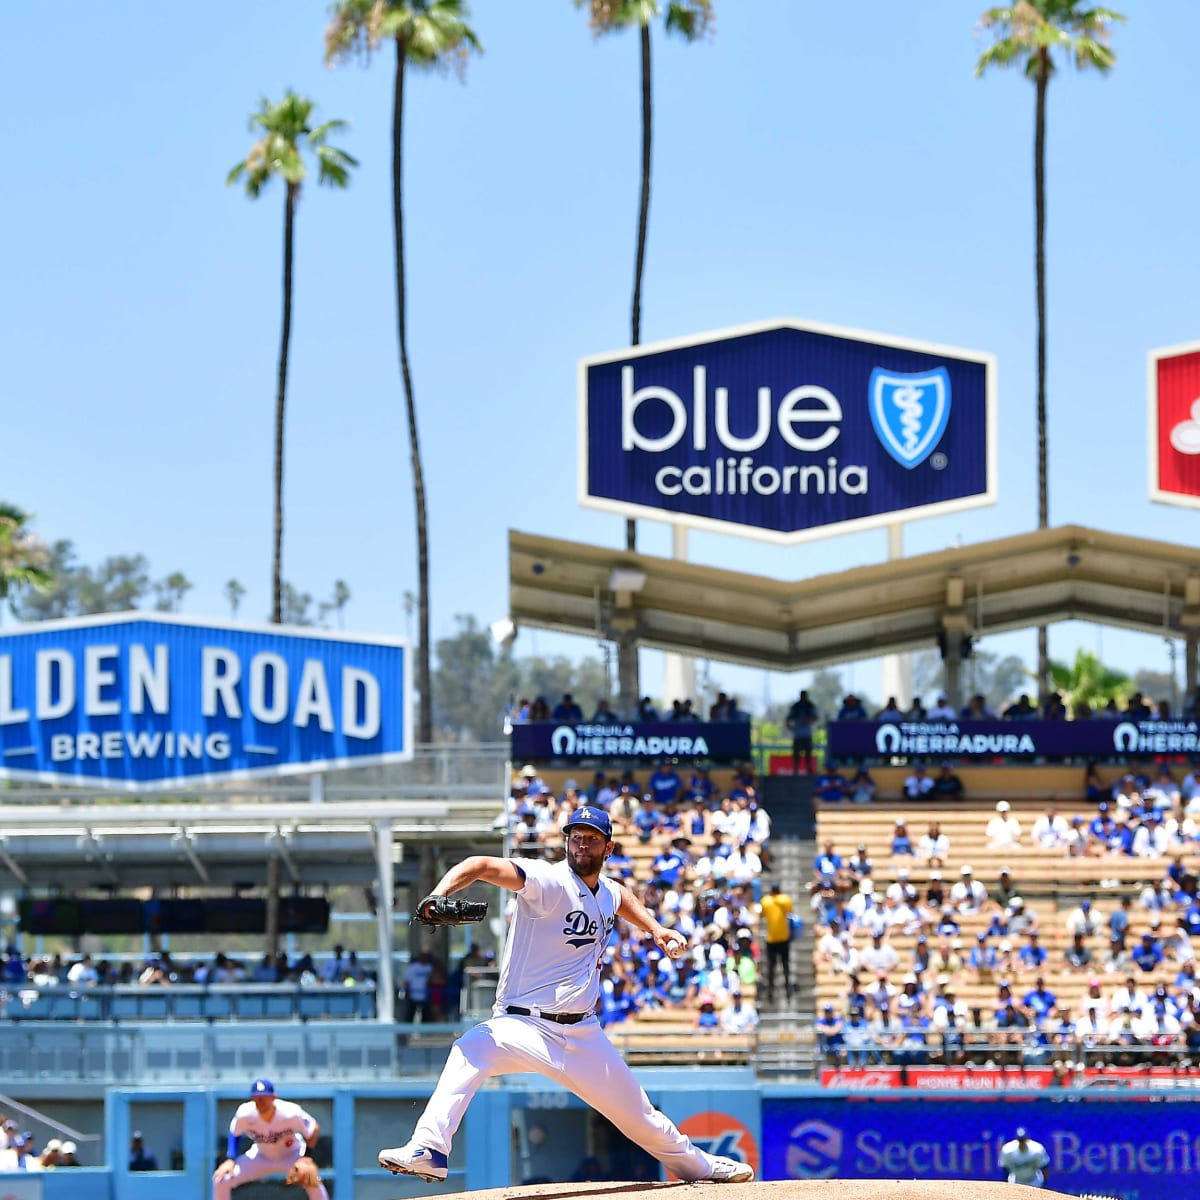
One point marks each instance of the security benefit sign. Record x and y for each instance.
(138, 701)
(1174, 434)
(787, 431)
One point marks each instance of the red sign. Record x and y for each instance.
(1174, 432)
(937, 1079)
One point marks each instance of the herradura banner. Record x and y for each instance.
(986, 740)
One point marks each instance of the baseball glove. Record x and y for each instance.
(446, 910)
(304, 1172)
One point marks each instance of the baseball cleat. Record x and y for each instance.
(426, 1164)
(728, 1170)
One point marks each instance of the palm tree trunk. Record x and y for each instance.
(628, 681)
(425, 700)
(285, 337)
(1039, 188)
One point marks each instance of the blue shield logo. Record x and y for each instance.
(909, 412)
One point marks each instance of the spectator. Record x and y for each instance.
(1033, 953)
(860, 865)
(827, 865)
(1148, 954)
(417, 989)
(604, 715)
(828, 1028)
(1050, 831)
(646, 710)
(66, 1156)
(901, 843)
(968, 895)
(802, 718)
(859, 1040)
(777, 912)
(862, 787)
(977, 709)
(1078, 955)
(1021, 710)
(948, 786)
(891, 711)
(934, 846)
(739, 1015)
(916, 711)
(943, 710)
(665, 783)
(1005, 891)
(852, 709)
(1003, 830)
(880, 956)
(918, 785)
(567, 711)
(1083, 920)
(830, 787)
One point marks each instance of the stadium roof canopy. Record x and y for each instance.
(1069, 573)
(121, 846)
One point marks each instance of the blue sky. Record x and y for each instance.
(822, 162)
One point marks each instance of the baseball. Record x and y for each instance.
(674, 948)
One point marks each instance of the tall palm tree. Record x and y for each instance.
(285, 131)
(427, 34)
(1028, 34)
(691, 20)
(24, 560)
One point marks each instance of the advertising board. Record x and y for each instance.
(1173, 389)
(720, 741)
(786, 430)
(1116, 1145)
(140, 701)
(987, 740)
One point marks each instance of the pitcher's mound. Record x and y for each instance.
(783, 1189)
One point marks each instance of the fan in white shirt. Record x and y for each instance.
(1003, 830)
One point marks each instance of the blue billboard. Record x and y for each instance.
(140, 701)
(787, 431)
(1110, 1144)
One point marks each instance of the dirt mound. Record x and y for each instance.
(784, 1189)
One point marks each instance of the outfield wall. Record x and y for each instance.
(1137, 1144)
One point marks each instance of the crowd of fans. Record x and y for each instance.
(569, 711)
(695, 855)
(1053, 708)
(1141, 998)
(19, 1152)
(163, 969)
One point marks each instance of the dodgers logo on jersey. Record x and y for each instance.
(909, 412)
(580, 929)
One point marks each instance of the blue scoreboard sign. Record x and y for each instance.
(787, 431)
(141, 701)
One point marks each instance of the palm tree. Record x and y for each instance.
(691, 19)
(1028, 34)
(285, 128)
(1088, 681)
(427, 34)
(24, 560)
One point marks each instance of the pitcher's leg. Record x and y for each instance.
(598, 1075)
(503, 1044)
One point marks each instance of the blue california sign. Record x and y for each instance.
(140, 701)
(787, 431)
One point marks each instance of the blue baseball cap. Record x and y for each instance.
(593, 818)
(262, 1087)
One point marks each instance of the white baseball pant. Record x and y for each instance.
(253, 1165)
(579, 1057)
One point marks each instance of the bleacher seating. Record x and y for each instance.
(1051, 883)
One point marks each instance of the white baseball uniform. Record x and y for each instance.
(277, 1144)
(1024, 1165)
(550, 964)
